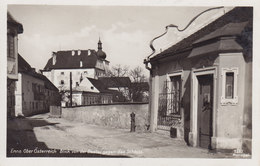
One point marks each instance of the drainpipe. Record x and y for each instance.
(71, 89)
(147, 59)
(153, 115)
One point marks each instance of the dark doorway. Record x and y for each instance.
(205, 107)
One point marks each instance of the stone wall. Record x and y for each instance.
(112, 115)
(55, 111)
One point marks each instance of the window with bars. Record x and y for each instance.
(170, 102)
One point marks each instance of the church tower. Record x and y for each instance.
(100, 53)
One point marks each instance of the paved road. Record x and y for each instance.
(42, 136)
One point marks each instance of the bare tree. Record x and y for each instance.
(137, 75)
(118, 71)
(138, 85)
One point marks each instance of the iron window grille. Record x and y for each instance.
(169, 104)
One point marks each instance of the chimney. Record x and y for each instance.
(79, 52)
(53, 58)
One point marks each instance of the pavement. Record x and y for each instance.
(42, 136)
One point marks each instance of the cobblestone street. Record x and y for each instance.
(40, 135)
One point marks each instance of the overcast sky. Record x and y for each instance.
(124, 31)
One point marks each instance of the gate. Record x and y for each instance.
(169, 104)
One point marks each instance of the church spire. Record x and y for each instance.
(101, 54)
(99, 44)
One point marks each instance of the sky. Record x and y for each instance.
(125, 31)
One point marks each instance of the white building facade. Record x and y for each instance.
(80, 63)
(34, 93)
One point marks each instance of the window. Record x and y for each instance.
(62, 82)
(10, 46)
(174, 97)
(229, 86)
(170, 99)
(80, 64)
(62, 73)
(77, 83)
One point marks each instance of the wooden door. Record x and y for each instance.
(205, 107)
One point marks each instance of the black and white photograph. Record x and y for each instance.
(86, 81)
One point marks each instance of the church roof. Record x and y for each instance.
(66, 60)
(101, 54)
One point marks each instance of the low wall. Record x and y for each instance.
(112, 115)
(55, 111)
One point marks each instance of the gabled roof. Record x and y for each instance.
(115, 82)
(90, 85)
(100, 86)
(12, 21)
(84, 86)
(65, 60)
(230, 24)
(48, 84)
(25, 67)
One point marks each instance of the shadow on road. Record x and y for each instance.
(22, 142)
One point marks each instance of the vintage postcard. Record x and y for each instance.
(140, 83)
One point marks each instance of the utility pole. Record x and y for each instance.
(71, 89)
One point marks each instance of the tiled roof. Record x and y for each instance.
(100, 86)
(12, 21)
(140, 85)
(25, 67)
(237, 15)
(115, 82)
(65, 60)
(230, 29)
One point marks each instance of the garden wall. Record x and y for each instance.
(112, 115)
